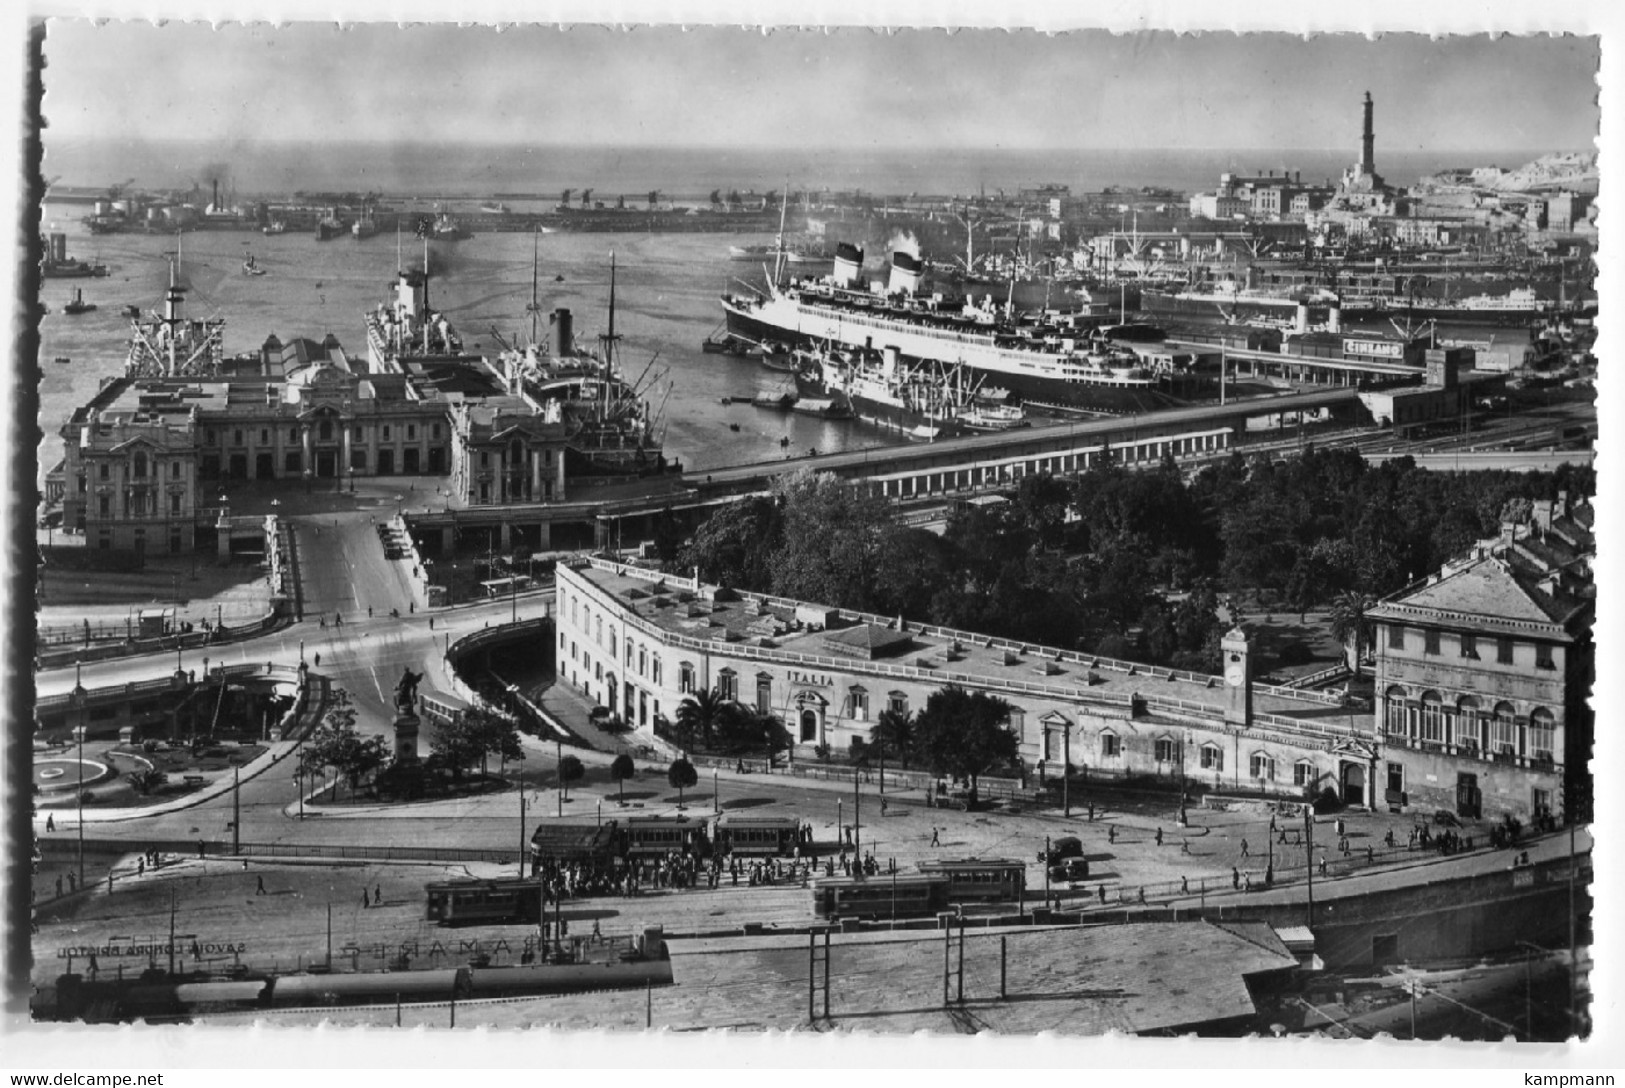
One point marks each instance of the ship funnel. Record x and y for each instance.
(1301, 326)
(848, 265)
(889, 362)
(1334, 316)
(905, 273)
(563, 333)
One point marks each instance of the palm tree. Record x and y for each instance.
(699, 714)
(894, 731)
(1349, 625)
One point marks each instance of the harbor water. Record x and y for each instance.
(667, 286)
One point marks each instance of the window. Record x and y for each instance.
(1212, 757)
(434, 431)
(643, 659)
(174, 470)
(1542, 730)
(1543, 656)
(1468, 723)
(728, 686)
(411, 431)
(208, 438)
(1503, 730)
(1110, 748)
(1503, 651)
(105, 473)
(139, 466)
(598, 671)
(655, 670)
(104, 506)
(1016, 722)
(1396, 636)
(685, 678)
(1394, 721)
(386, 432)
(485, 460)
(561, 640)
(858, 699)
(326, 429)
(764, 693)
(1261, 766)
(1396, 778)
(265, 436)
(1432, 718)
(175, 505)
(1430, 641)
(1303, 773)
(356, 435)
(293, 434)
(237, 438)
(897, 702)
(1469, 645)
(1165, 751)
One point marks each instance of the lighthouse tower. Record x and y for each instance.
(1362, 185)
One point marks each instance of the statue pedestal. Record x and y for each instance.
(406, 736)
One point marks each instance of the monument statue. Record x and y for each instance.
(407, 690)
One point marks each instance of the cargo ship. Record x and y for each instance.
(924, 401)
(58, 265)
(1068, 360)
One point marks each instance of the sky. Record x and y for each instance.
(855, 88)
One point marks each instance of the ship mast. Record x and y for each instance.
(535, 258)
(778, 247)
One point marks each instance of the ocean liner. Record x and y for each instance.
(1065, 360)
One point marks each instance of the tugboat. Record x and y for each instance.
(78, 305)
(275, 226)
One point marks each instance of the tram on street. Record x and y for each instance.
(980, 880)
(758, 836)
(652, 836)
(881, 897)
(472, 902)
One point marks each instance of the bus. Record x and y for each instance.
(758, 836)
(980, 880)
(471, 902)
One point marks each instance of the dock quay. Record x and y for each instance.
(948, 468)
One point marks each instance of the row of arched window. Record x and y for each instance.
(1469, 724)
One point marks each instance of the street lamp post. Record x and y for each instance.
(84, 721)
(1066, 770)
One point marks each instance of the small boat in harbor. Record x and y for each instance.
(78, 305)
(275, 226)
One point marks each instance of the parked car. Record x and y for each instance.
(1071, 869)
(1067, 846)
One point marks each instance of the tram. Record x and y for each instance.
(885, 896)
(980, 880)
(471, 902)
(656, 836)
(758, 836)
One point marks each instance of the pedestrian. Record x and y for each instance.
(369, 611)
(1142, 893)
(1244, 851)
(318, 657)
(50, 821)
(1247, 882)
(365, 902)
(377, 895)
(259, 885)
(431, 623)
(1322, 866)
(1281, 841)
(59, 887)
(338, 620)
(141, 867)
(934, 840)
(1159, 836)
(1111, 833)
(322, 622)
(1370, 856)
(412, 606)
(1184, 847)
(1091, 811)
(1184, 885)
(1102, 890)
(1235, 877)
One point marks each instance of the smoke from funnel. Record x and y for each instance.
(903, 241)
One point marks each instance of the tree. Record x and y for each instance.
(894, 733)
(1350, 626)
(620, 770)
(570, 770)
(963, 733)
(681, 774)
(475, 734)
(698, 716)
(145, 781)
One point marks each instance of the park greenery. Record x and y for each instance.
(707, 722)
(1122, 562)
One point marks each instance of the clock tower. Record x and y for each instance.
(1238, 680)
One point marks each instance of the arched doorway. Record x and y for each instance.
(1353, 782)
(809, 726)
